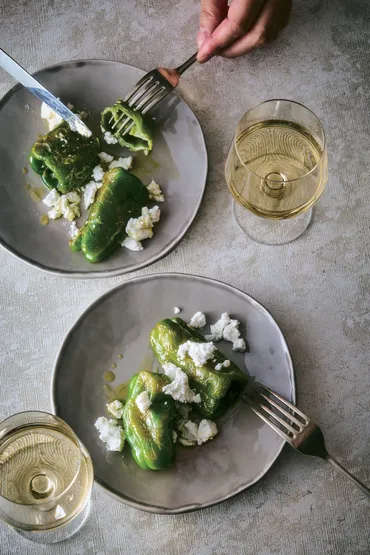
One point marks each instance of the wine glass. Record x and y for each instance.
(276, 169)
(46, 477)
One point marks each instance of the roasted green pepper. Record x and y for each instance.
(64, 159)
(140, 136)
(150, 433)
(217, 388)
(121, 197)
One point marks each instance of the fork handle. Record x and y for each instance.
(345, 472)
(180, 70)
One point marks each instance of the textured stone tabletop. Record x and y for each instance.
(317, 287)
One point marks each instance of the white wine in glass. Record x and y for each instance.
(276, 170)
(46, 477)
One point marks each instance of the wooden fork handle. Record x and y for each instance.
(345, 472)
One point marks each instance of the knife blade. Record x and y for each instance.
(21, 75)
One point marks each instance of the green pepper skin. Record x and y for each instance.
(217, 388)
(121, 197)
(64, 159)
(150, 435)
(140, 136)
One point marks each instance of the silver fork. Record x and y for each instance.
(293, 426)
(149, 91)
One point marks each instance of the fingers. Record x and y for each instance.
(272, 18)
(240, 17)
(211, 15)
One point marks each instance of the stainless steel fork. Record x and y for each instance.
(293, 426)
(149, 91)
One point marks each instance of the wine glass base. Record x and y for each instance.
(271, 232)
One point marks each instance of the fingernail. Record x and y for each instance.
(204, 52)
(202, 35)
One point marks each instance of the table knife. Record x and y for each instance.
(17, 71)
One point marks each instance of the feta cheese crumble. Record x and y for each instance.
(73, 229)
(104, 157)
(115, 408)
(191, 433)
(110, 433)
(224, 364)
(109, 138)
(176, 310)
(89, 192)
(239, 345)
(125, 163)
(218, 328)
(79, 127)
(132, 244)
(51, 117)
(198, 352)
(198, 320)
(155, 192)
(98, 173)
(228, 329)
(142, 228)
(66, 205)
(179, 387)
(143, 402)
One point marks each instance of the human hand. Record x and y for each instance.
(231, 31)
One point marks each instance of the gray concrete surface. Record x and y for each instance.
(318, 287)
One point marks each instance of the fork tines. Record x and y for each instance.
(147, 92)
(286, 419)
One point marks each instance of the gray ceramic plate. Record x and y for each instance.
(178, 161)
(119, 322)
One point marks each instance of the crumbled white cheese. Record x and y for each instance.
(206, 431)
(98, 173)
(110, 433)
(191, 433)
(89, 193)
(52, 117)
(70, 106)
(142, 228)
(155, 192)
(52, 198)
(239, 345)
(109, 138)
(154, 213)
(198, 352)
(115, 408)
(198, 320)
(66, 205)
(143, 402)
(104, 157)
(224, 364)
(218, 328)
(125, 163)
(132, 244)
(179, 387)
(176, 310)
(79, 127)
(231, 332)
(73, 229)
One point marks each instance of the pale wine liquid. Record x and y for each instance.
(275, 169)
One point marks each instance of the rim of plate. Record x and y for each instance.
(104, 273)
(196, 506)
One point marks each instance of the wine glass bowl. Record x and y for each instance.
(276, 169)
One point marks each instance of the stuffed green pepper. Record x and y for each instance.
(148, 418)
(121, 197)
(140, 136)
(64, 159)
(216, 379)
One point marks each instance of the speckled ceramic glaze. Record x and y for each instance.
(118, 323)
(178, 162)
